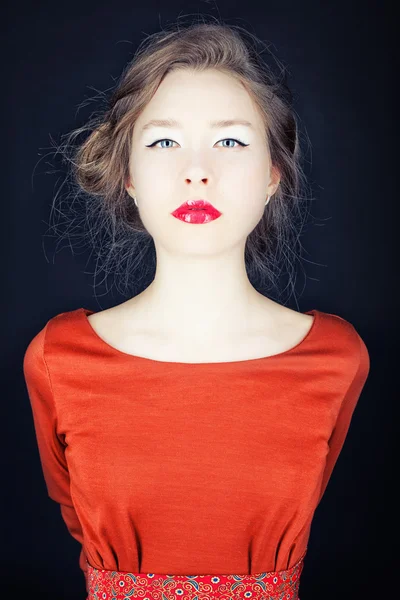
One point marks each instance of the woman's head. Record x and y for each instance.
(228, 165)
(196, 74)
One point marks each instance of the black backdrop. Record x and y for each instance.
(341, 60)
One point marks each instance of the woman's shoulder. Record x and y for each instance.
(343, 337)
(341, 326)
(56, 328)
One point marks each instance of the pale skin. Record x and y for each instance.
(201, 306)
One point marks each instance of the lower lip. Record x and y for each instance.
(196, 216)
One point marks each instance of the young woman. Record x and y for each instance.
(189, 433)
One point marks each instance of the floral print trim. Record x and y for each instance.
(104, 584)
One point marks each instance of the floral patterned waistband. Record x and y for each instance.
(104, 584)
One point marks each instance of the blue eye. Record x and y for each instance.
(158, 141)
(168, 140)
(233, 140)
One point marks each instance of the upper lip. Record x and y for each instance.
(198, 203)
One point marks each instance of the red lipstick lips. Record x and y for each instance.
(196, 211)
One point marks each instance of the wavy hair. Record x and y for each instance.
(98, 165)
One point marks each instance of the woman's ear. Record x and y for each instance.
(129, 188)
(274, 181)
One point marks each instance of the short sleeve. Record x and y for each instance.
(346, 411)
(51, 447)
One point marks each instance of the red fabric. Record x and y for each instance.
(119, 585)
(190, 468)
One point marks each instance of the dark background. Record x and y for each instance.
(341, 60)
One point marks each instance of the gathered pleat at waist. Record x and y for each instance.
(104, 584)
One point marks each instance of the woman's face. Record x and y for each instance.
(198, 161)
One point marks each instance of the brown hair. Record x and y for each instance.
(100, 164)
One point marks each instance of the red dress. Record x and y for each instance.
(190, 468)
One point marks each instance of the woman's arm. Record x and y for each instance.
(51, 446)
(345, 413)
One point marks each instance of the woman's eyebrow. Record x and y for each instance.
(213, 124)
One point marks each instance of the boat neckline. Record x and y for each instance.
(85, 312)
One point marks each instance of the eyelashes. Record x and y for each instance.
(169, 140)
